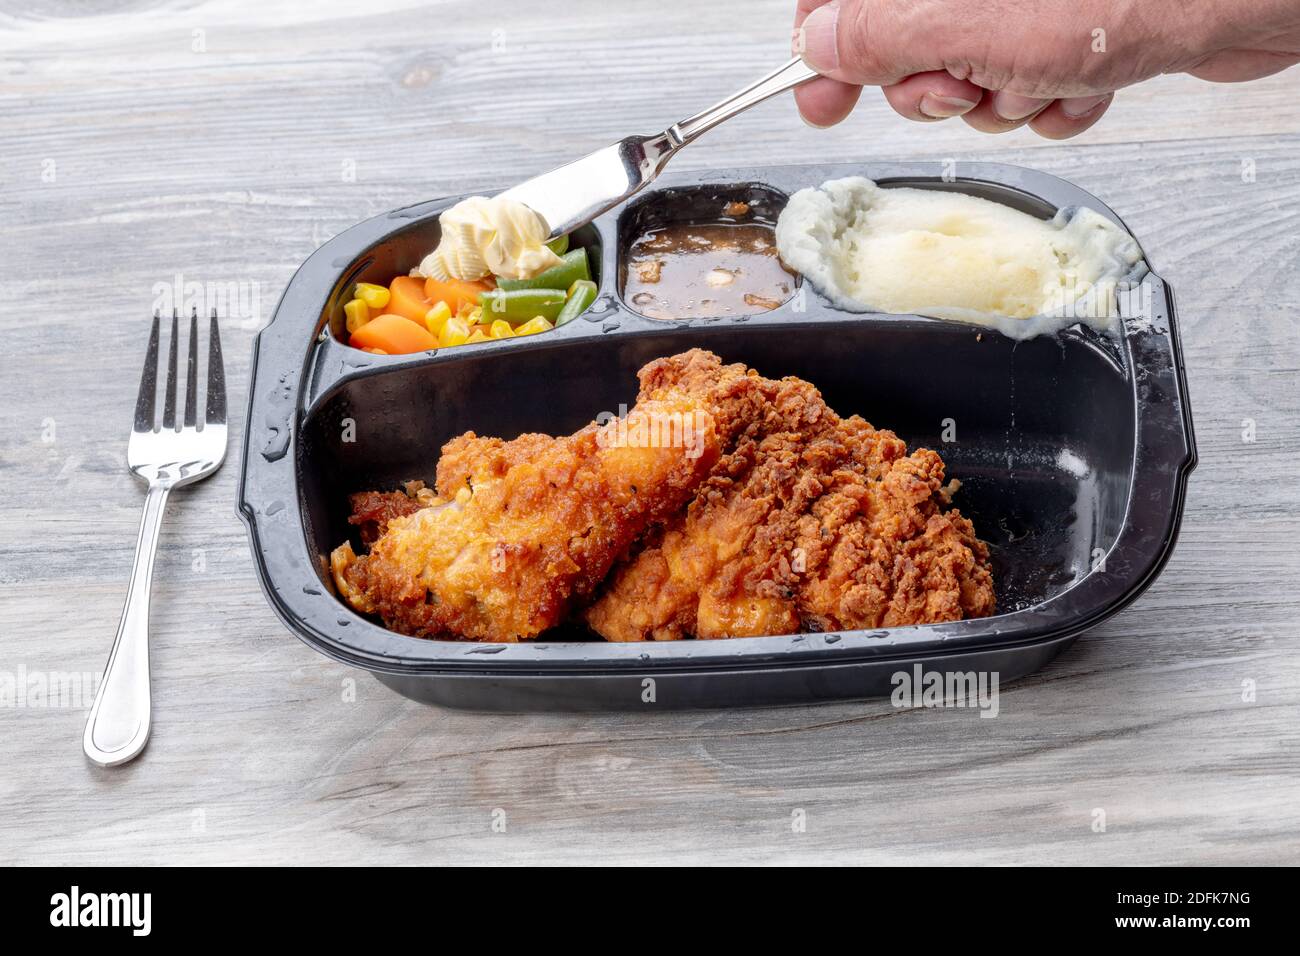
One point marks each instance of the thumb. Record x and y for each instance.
(865, 42)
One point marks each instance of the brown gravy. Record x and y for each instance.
(687, 271)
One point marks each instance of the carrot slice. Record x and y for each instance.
(395, 334)
(456, 292)
(406, 298)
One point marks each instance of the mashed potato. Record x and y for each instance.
(955, 256)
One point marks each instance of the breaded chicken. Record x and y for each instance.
(807, 522)
(520, 531)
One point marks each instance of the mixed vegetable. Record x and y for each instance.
(415, 314)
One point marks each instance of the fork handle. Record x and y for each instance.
(118, 727)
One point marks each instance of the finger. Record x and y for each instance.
(1236, 66)
(1070, 117)
(934, 95)
(1002, 112)
(801, 11)
(805, 7)
(821, 102)
(866, 42)
(824, 102)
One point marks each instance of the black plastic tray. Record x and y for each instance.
(1073, 450)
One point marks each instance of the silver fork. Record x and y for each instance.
(165, 457)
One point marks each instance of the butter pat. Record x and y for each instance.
(482, 236)
(955, 256)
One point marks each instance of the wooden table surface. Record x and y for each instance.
(224, 141)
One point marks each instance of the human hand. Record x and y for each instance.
(1052, 64)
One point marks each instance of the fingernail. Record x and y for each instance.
(815, 40)
(808, 122)
(1012, 106)
(942, 107)
(1078, 107)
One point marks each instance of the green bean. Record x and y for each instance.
(520, 305)
(559, 245)
(573, 266)
(581, 294)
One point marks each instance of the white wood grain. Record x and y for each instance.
(228, 165)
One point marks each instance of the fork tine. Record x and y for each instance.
(144, 403)
(216, 377)
(169, 396)
(192, 372)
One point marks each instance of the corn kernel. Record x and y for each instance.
(501, 329)
(375, 296)
(475, 314)
(478, 335)
(454, 332)
(435, 317)
(534, 325)
(358, 314)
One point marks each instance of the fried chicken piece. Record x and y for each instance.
(469, 459)
(807, 522)
(372, 510)
(521, 530)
